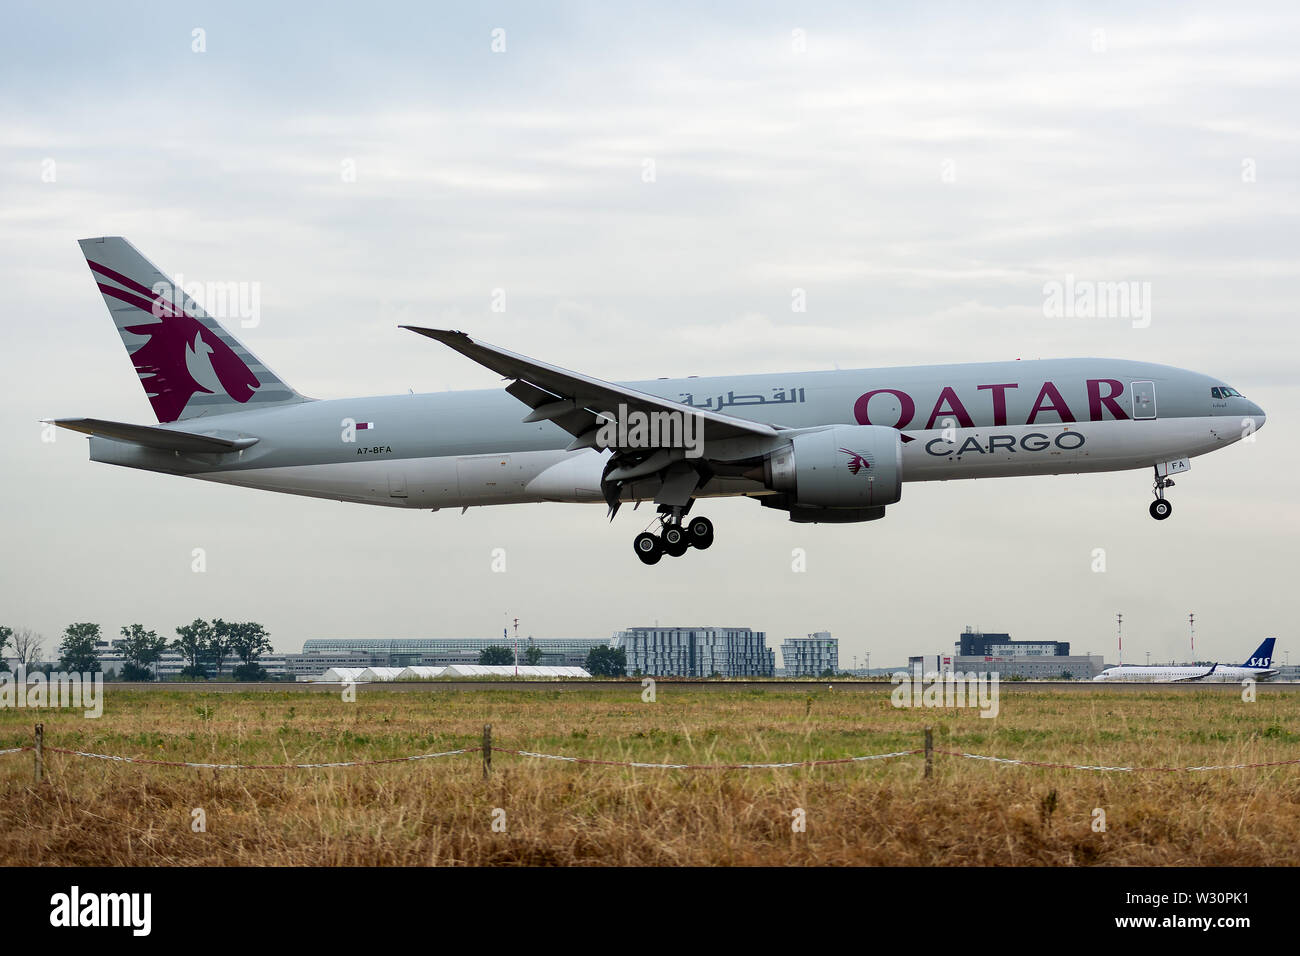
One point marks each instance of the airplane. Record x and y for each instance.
(822, 446)
(1258, 667)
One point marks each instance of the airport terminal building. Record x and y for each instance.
(171, 663)
(320, 654)
(1034, 667)
(998, 654)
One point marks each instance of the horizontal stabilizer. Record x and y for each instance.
(151, 436)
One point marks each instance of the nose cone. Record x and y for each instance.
(1256, 413)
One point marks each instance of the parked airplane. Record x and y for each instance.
(824, 446)
(1259, 666)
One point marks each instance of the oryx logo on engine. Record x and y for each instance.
(856, 462)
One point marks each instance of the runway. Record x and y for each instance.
(677, 685)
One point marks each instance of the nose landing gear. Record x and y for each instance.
(675, 539)
(1161, 508)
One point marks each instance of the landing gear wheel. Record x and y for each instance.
(675, 542)
(648, 548)
(699, 531)
(1161, 509)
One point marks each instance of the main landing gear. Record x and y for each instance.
(1161, 508)
(675, 538)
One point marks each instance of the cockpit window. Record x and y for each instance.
(1222, 391)
(1216, 392)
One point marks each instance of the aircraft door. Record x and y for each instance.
(1144, 400)
(486, 476)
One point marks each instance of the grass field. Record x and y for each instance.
(90, 812)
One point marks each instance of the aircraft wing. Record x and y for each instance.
(573, 400)
(1182, 680)
(580, 404)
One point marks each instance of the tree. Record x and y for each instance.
(219, 642)
(27, 646)
(140, 649)
(250, 672)
(496, 655)
(607, 661)
(5, 634)
(77, 649)
(193, 641)
(249, 641)
(533, 656)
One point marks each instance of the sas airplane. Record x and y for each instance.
(823, 446)
(1258, 667)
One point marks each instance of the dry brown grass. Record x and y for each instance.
(440, 812)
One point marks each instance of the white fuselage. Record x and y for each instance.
(1137, 673)
(519, 476)
(984, 420)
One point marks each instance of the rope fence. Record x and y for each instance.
(39, 748)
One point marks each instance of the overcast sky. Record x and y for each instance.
(920, 170)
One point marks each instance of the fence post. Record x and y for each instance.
(40, 751)
(929, 752)
(487, 750)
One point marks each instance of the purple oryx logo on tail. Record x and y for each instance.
(856, 462)
(175, 336)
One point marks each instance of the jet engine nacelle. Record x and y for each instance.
(856, 467)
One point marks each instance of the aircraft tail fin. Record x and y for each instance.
(188, 364)
(1263, 656)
